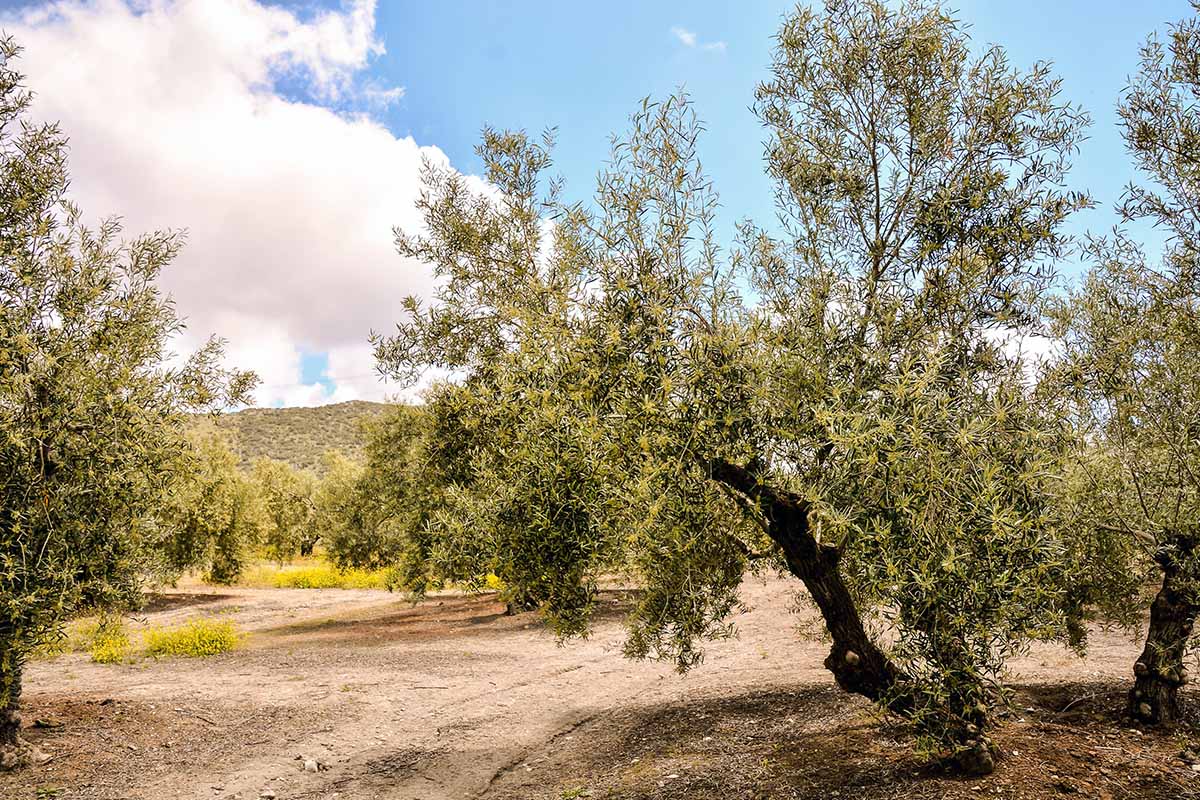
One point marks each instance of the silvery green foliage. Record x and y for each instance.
(214, 517)
(91, 415)
(374, 515)
(834, 400)
(286, 495)
(1131, 366)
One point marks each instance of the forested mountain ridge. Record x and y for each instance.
(299, 436)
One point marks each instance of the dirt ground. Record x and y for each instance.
(451, 699)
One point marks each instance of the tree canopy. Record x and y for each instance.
(836, 401)
(91, 407)
(1131, 367)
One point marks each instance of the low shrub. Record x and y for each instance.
(320, 575)
(198, 638)
(104, 639)
(109, 642)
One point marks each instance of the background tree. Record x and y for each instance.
(214, 515)
(286, 495)
(836, 404)
(376, 514)
(91, 419)
(1132, 363)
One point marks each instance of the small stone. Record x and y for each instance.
(1195, 767)
(852, 658)
(311, 765)
(267, 794)
(1145, 711)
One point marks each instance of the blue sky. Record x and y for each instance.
(258, 126)
(583, 68)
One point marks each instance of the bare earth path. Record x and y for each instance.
(449, 699)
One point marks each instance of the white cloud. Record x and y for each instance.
(380, 97)
(176, 122)
(690, 39)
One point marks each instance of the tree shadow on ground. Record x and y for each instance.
(1058, 740)
(163, 601)
(436, 617)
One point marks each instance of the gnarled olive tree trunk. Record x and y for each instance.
(857, 664)
(1159, 671)
(14, 752)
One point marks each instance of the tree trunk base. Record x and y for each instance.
(513, 607)
(1160, 671)
(1154, 701)
(19, 754)
(976, 759)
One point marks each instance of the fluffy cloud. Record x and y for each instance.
(177, 120)
(690, 39)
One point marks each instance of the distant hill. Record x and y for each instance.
(299, 436)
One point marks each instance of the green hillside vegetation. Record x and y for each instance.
(299, 436)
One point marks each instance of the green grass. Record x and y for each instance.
(313, 575)
(195, 639)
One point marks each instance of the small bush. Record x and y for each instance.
(198, 638)
(109, 642)
(328, 577)
(317, 576)
(104, 639)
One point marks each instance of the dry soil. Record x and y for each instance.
(452, 699)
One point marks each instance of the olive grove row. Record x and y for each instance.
(844, 394)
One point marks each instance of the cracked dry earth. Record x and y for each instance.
(452, 699)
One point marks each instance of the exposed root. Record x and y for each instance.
(20, 755)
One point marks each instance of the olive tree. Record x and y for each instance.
(834, 399)
(214, 515)
(91, 415)
(376, 514)
(286, 495)
(1131, 335)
